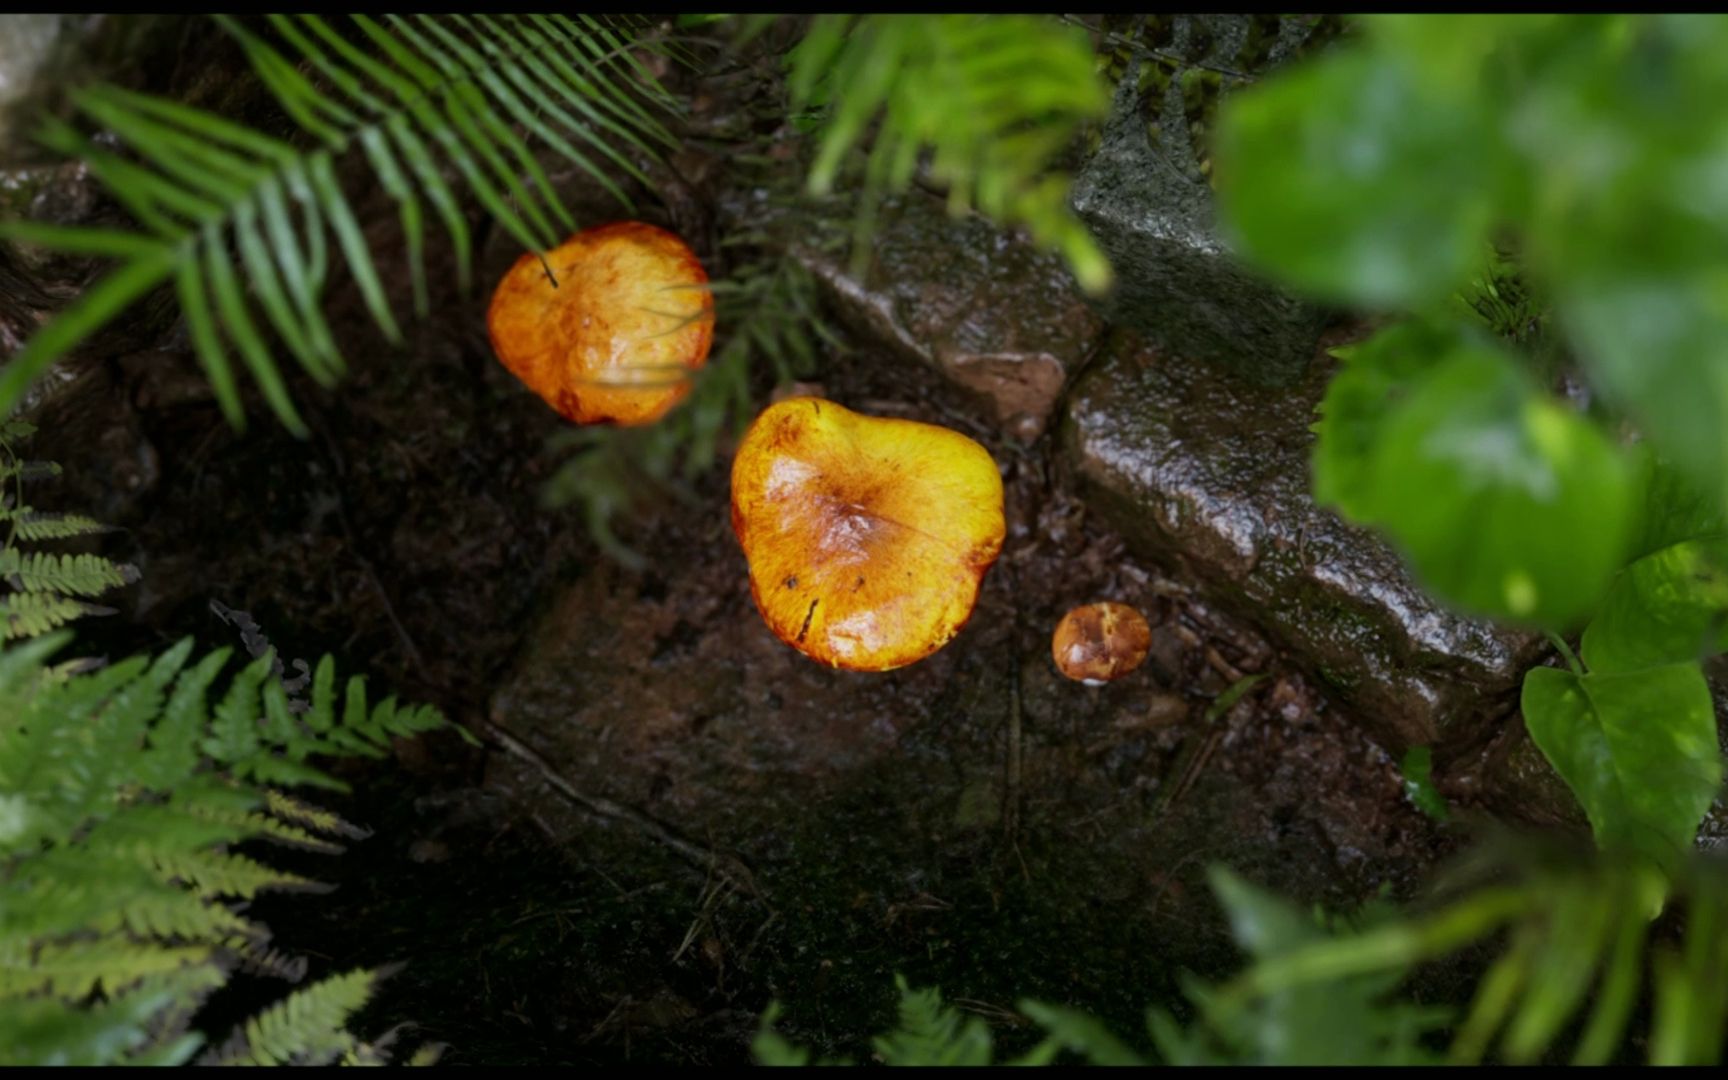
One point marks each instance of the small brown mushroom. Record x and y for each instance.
(1100, 642)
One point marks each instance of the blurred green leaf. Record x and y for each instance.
(1638, 749)
(1346, 177)
(1346, 1021)
(1376, 375)
(1665, 608)
(1659, 346)
(1505, 502)
(1671, 507)
(1077, 1033)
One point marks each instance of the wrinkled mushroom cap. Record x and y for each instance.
(616, 339)
(866, 536)
(1100, 642)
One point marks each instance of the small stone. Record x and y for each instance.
(797, 389)
(998, 317)
(1165, 709)
(428, 850)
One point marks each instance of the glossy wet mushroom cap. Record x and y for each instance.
(867, 537)
(1099, 642)
(615, 339)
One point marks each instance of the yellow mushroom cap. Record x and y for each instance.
(1100, 642)
(615, 340)
(866, 536)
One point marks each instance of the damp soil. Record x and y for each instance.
(676, 819)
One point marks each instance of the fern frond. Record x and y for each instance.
(27, 470)
(122, 794)
(142, 1026)
(306, 1028)
(75, 969)
(219, 201)
(34, 614)
(45, 588)
(214, 874)
(275, 828)
(32, 525)
(993, 100)
(932, 1033)
(79, 575)
(257, 957)
(288, 808)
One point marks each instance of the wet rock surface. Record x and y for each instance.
(1001, 319)
(1211, 474)
(1150, 208)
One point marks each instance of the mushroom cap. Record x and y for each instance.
(866, 536)
(1096, 643)
(616, 339)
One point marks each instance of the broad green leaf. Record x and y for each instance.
(1664, 608)
(1449, 49)
(1356, 182)
(1638, 749)
(1658, 346)
(1505, 502)
(1672, 508)
(1377, 374)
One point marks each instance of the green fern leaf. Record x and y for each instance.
(79, 575)
(138, 1027)
(234, 729)
(214, 874)
(932, 1033)
(993, 98)
(122, 794)
(307, 1028)
(208, 189)
(74, 969)
(263, 825)
(32, 614)
(28, 524)
(287, 807)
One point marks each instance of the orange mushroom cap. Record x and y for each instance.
(615, 340)
(867, 536)
(1100, 642)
